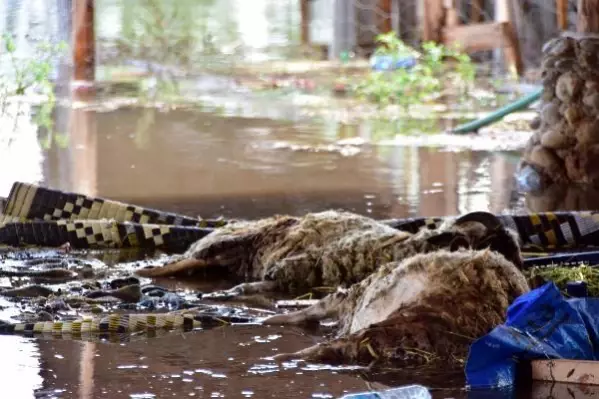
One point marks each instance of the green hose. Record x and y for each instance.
(500, 113)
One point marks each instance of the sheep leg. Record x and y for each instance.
(337, 351)
(213, 250)
(307, 354)
(328, 307)
(255, 287)
(180, 264)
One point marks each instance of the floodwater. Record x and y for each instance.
(201, 163)
(236, 155)
(209, 163)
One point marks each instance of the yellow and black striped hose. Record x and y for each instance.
(120, 324)
(39, 216)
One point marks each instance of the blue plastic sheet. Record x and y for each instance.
(540, 324)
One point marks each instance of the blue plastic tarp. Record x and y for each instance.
(379, 62)
(540, 324)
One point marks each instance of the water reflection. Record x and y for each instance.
(21, 153)
(228, 362)
(563, 197)
(21, 372)
(200, 163)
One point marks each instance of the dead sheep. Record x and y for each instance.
(424, 308)
(295, 254)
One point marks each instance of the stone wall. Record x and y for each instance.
(565, 144)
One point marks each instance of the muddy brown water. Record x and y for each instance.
(202, 163)
(209, 164)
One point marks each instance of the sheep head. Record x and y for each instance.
(480, 230)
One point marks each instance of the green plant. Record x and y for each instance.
(21, 76)
(390, 44)
(438, 68)
(29, 72)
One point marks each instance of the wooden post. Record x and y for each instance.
(386, 20)
(84, 41)
(451, 13)
(86, 370)
(476, 11)
(433, 20)
(588, 16)
(305, 21)
(83, 147)
(512, 55)
(561, 7)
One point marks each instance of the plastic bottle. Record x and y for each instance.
(405, 392)
(528, 179)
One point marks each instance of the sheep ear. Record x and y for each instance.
(487, 219)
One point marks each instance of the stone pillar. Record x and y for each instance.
(564, 149)
(565, 145)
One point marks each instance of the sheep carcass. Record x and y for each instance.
(295, 254)
(429, 306)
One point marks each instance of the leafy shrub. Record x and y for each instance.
(438, 68)
(21, 75)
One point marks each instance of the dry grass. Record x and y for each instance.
(562, 275)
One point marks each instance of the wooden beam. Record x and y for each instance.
(588, 16)
(486, 36)
(572, 391)
(84, 41)
(305, 21)
(475, 37)
(433, 20)
(561, 7)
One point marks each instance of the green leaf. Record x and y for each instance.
(9, 43)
